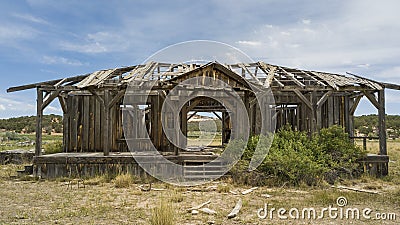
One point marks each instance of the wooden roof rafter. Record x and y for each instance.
(59, 82)
(258, 73)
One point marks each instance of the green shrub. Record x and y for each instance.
(339, 153)
(295, 158)
(53, 147)
(12, 136)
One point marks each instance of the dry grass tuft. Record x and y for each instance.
(162, 214)
(223, 188)
(97, 180)
(123, 180)
(177, 196)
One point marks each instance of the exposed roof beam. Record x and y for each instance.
(303, 98)
(291, 77)
(50, 82)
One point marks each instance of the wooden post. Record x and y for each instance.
(314, 112)
(354, 103)
(39, 115)
(106, 136)
(184, 125)
(382, 130)
(226, 129)
(346, 115)
(382, 123)
(330, 113)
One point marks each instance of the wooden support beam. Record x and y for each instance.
(101, 100)
(51, 82)
(106, 127)
(118, 97)
(183, 127)
(323, 99)
(291, 77)
(315, 113)
(39, 115)
(303, 98)
(63, 104)
(382, 123)
(220, 118)
(244, 68)
(50, 98)
(347, 119)
(355, 104)
(372, 98)
(270, 74)
(193, 105)
(192, 115)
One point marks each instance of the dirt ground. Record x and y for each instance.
(27, 201)
(100, 202)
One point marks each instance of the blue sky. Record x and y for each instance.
(42, 39)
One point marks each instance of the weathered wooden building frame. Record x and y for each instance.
(92, 104)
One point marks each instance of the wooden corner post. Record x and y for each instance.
(39, 116)
(382, 130)
(382, 123)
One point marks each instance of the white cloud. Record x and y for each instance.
(10, 33)
(391, 73)
(352, 39)
(306, 21)
(366, 65)
(52, 110)
(249, 43)
(31, 18)
(392, 96)
(51, 60)
(99, 42)
(12, 106)
(95, 47)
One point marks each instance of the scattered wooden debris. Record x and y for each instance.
(208, 211)
(195, 212)
(249, 190)
(211, 222)
(266, 195)
(355, 189)
(79, 182)
(235, 210)
(149, 188)
(233, 192)
(158, 189)
(195, 189)
(143, 188)
(211, 188)
(199, 206)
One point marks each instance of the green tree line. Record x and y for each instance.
(365, 124)
(28, 123)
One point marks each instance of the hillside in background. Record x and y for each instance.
(27, 124)
(366, 125)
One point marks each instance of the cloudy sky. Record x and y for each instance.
(43, 39)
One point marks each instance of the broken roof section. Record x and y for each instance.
(259, 73)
